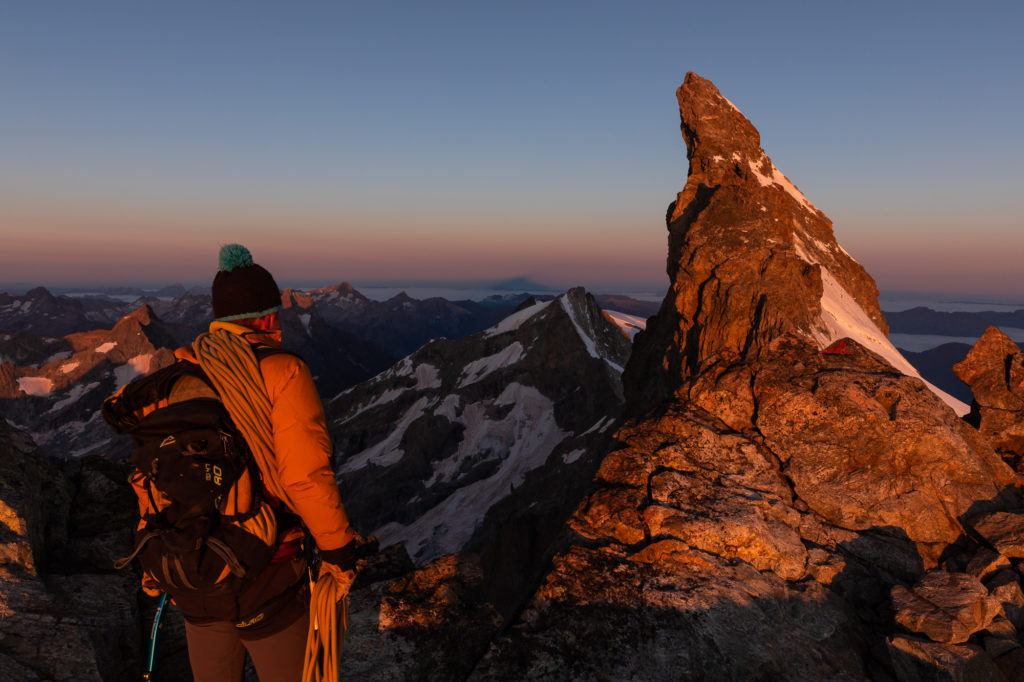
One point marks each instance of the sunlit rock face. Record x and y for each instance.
(57, 399)
(749, 258)
(994, 369)
(780, 473)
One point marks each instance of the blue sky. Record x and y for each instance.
(391, 140)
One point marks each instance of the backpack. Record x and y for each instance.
(206, 529)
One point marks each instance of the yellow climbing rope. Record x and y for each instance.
(231, 365)
(328, 620)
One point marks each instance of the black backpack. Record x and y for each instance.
(206, 529)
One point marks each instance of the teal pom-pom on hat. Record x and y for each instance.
(234, 256)
(242, 289)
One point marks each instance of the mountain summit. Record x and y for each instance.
(750, 257)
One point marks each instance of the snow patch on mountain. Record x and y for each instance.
(62, 355)
(522, 441)
(449, 407)
(382, 399)
(106, 347)
(629, 324)
(389, 450)
(570, 457)
(69, 367)
(35, 386)
(403, 369)
(478, 369)
(842, 317)
(74, 395)
(600, 426)
(777, 178)
(136, 367)
(427, 376)
(516, 320)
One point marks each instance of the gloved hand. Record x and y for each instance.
(342, 562)
(342, 577)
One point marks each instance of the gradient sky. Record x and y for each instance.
(482, 140)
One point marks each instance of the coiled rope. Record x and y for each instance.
(328, 620)
(231, 365)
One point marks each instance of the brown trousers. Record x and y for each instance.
(217, 651)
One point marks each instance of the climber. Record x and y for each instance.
(270, 396)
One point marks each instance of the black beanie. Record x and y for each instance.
(241, 288)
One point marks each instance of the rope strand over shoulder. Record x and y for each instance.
(230, 363)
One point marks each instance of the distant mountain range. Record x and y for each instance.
(950, 330)
(923, 320)
(61, 355)
(515, 284)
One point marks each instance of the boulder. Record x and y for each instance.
(994, 370)
(915, 660)
(1004, 530)
(1005, 587)
(866, 446)
(945, 607)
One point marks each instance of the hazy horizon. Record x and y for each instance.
(889, 300)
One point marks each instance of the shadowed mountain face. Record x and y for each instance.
(483, 443)
(936, 365)
(65, 614)
(401, 324)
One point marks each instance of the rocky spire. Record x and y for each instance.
(749, 258)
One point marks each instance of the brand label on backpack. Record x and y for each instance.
(214, 473)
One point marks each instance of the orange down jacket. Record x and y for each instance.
(302, 447)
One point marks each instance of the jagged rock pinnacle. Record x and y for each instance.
(749, 259)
